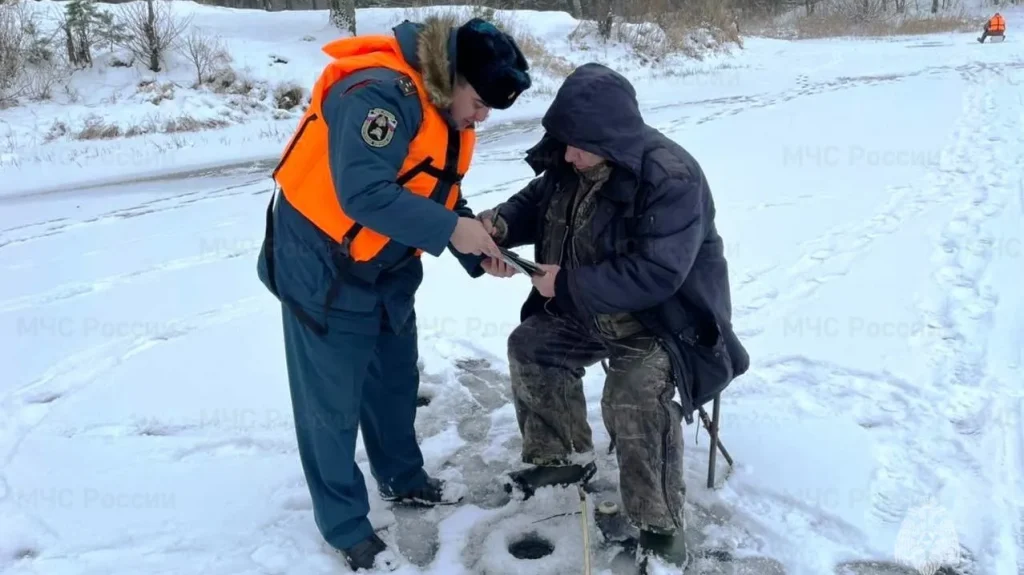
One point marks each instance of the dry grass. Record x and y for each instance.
(652, 29)
(714, 18)
(655, 29)
(98, 128)
(187, 123)
(940, 23)
(835, 26)
(155, 92)
(229, 81)
(288, 95)
(541, 58)
(850, 18)
(533, 48)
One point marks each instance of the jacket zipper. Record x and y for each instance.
(563, 251)
(564, 255)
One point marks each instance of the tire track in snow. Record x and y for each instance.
(778, 289)
(831, 256)
(28, 406)
(978, 406)
(917, 457)
(733, 105)
(488, 137)
(49, 228)
(68, 291)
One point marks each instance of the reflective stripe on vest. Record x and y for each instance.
(438, 155)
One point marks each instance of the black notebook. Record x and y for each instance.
(523, 265)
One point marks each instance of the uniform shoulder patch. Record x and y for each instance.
(379, 127)
(406, 85)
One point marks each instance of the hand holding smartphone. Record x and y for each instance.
(523, 265)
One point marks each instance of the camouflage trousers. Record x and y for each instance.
(547, 357)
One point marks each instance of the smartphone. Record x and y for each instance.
(523, 265)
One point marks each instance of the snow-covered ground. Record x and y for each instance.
(871, 199)
(60, 142)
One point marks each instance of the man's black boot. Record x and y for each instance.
(531, 479)
(370, 554)
(432, 492)
(658, 552)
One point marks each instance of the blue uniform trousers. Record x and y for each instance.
(340, 382)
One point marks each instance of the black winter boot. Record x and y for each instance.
(666, 551)
(370, 554)
(531, 479)
(433, 492)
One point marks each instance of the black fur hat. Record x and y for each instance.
(491, 62)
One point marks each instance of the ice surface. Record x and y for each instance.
(870, 198)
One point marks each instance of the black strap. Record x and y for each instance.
(268, 244)
(415, 171)
(447, 176)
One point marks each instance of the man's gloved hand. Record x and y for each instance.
(494, 224)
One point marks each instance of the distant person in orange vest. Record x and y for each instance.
(371, 180)
(996, 26)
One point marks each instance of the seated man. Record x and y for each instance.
(995, 27)
(612, 283)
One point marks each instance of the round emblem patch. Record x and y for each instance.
(379, 127)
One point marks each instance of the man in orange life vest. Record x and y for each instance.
(370, 181)
(995, 26)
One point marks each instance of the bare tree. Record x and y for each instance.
(205, 53)
(343, 15)
(29, 67)
(12, 53)
(152, 29)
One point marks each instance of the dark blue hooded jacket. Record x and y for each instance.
(654, 224)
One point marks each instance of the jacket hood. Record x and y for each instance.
(595, 110)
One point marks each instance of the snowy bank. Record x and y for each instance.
(117, 119)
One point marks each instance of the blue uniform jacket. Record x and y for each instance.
(365, 183)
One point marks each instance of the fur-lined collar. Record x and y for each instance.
(430, 48)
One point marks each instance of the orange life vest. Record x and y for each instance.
(996, 24)
(438, 154)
